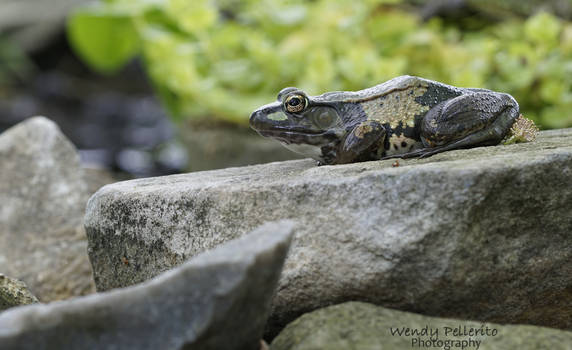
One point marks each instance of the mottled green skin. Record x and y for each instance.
(403, 117)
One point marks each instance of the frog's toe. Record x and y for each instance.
(418, 153)
(430, 153)
(424, 153)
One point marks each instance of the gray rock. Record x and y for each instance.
(43, 196)
(218, 300)
(14, 293)
(362, 326)
(481, 234)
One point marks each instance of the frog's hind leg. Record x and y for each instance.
(477, 119)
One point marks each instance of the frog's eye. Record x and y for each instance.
(295, 103)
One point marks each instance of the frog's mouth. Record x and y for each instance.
(287, 132)
(283, 130)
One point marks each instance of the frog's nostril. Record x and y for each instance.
(258, 120)
(255, 118)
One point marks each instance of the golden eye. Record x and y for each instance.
(295, 103)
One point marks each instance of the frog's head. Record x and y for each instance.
(311, 126)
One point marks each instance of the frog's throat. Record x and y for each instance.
(314, 152)
(300, 136)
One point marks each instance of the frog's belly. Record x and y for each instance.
(399, 144)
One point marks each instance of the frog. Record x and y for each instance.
(405, 117)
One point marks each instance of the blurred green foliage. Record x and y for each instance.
(14, 64)
(224, 58)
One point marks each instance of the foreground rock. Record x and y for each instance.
(14, 293)
(478, 234)
(218, 300)
(43, 196)
(356, 325)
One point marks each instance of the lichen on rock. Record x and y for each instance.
(523, 130)
(14, 293)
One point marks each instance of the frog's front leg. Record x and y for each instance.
(361, 142)
(477, 119)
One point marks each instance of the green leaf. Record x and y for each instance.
(105, 39)
(542, 28)
(194, 17)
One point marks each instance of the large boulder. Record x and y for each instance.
(356, 325)
(216, 301)
(481, 234)
(43, 196)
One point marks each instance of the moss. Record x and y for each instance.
(14, 293)
(523, 130)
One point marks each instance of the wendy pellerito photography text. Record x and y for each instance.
(445, 337)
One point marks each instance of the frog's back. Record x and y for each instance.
(432, 89)
(402, 99)
(400, 105)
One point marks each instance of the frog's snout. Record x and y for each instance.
(254, 117)
(267, 117)
(257, 120)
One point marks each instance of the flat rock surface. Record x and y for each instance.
(480, 234)
(43, 196)
(218, 300)
(362, 326)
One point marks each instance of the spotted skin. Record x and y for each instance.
(403, 117)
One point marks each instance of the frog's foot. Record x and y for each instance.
(425, 152)
(479, 119)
